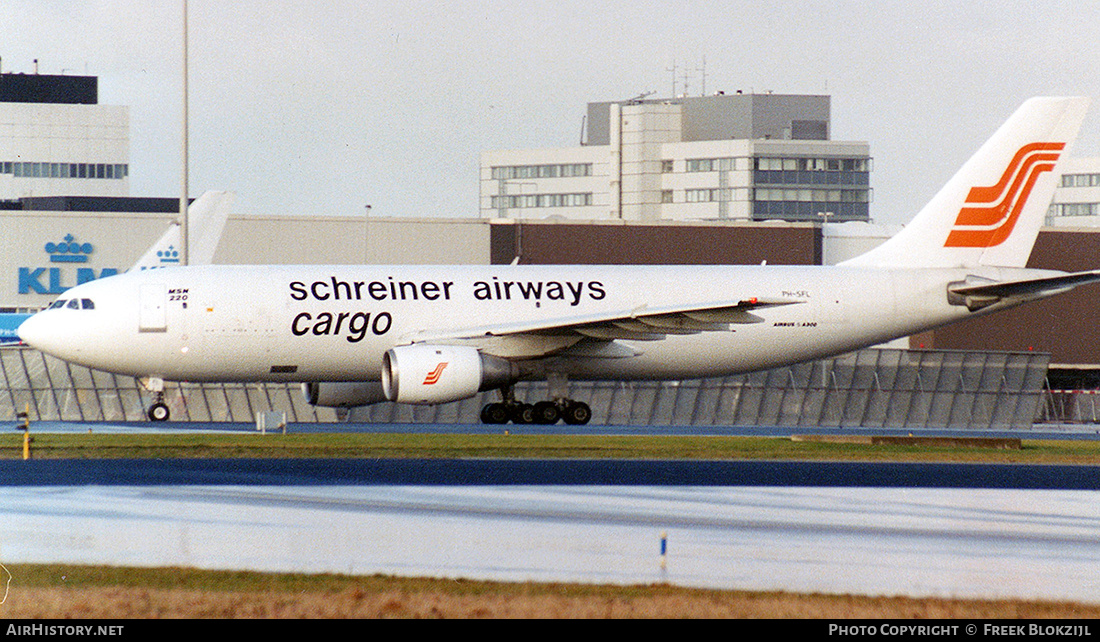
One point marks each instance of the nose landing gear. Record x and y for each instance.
(159, 410)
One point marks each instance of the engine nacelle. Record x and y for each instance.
(427, 374)
(343, 394)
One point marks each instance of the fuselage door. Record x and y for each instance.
(153, 312)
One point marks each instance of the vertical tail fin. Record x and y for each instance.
(208, 214)
(990, 212)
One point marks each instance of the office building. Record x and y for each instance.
(738, 157)
(57, 140)
(1076, 202)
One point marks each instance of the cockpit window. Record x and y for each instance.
(73, 304)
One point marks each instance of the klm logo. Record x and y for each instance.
(69, 251)
(55, 280)
(171, 256)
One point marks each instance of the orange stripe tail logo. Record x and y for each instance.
(433, 376)
(990, 213)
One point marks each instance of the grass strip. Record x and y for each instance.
(385, 445)
(56, 591)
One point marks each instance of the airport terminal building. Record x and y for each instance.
(728, 179)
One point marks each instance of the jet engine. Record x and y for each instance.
(343, 394)
(427, 374)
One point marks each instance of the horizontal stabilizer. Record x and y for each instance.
(976, 293)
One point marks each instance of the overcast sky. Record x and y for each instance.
(305, 106)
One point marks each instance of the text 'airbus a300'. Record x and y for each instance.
(425, 335)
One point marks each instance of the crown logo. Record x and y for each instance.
(169, 256)
(69, 251)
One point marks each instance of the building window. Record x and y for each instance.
(65, 170)
(524, 201)
(813, 164)
(666, 167)
(812, 171)
(568, 170)
(697, 195)
(710, 164)
(666, 196)
(706, 195)
(813, 195)
(1080, 180)
(805, 204)
(1075, 209)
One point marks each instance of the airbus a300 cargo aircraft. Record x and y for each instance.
(425, 335)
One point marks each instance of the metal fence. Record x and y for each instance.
(1069, 407)
(868, 388)
(52, 389)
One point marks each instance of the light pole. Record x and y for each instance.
(366, 235)
(825, 221)
(184, 228)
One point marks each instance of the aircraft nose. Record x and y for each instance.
(40, 332)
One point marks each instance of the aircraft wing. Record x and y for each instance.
(594, 335)
(977, 294)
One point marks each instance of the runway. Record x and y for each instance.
(1031, 544)
(939, 530)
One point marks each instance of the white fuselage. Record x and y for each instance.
(334, 323)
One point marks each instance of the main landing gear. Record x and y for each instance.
(576, 413)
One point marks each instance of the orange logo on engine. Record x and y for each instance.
(433, 376)
(990, 213)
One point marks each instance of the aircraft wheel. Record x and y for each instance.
(159, 412)
(547, 412)
(577, 413)
(523, 413)
(494, 413)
